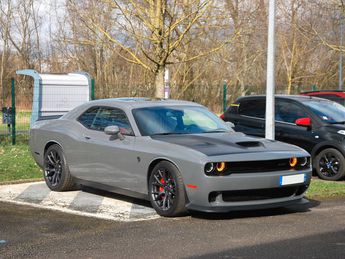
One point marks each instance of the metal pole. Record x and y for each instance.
(13, 112)
(270, 126)
(224, 96)
(166, 84)
(341, 53)
(92, 89)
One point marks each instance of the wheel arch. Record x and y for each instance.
(156, 161)
(322, 146)
(49, 144)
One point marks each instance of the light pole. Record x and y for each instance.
(270, 87)
(341, 52)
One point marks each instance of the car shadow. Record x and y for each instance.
(257, 213)
(116, 196)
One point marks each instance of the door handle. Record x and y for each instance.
(86, 137)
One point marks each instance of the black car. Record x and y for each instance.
(314, 124)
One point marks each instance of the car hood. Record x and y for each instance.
(216, 144)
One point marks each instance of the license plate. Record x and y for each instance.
(292, 179)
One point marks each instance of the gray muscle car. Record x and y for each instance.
(176, 154)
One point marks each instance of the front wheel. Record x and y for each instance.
(330, 164)
(166, 190)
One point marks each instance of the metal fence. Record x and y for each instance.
(16, 111)
(15, 117)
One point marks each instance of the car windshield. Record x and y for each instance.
(327, 111)
(177, 120)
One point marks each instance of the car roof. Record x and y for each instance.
(338, 93)
(127, 103)
(140, 102)
(300, 98)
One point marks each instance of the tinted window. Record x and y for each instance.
(112, 117)
(289, 112)
(87, 117)
(253, 108)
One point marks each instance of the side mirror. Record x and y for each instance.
(304, 122)
(114, 131)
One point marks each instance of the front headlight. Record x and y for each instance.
(215, 169)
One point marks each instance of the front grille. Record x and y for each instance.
(259, 166)
(257, 194)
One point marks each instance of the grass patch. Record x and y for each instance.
(16, 163)
(320, 189)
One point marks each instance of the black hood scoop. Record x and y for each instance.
(216, 144)
(249, 144)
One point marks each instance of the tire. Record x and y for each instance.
(330, 165)
(166, 190)
(55, 170)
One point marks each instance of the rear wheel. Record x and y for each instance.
(56, 172)
(330, 164)
(166, 190)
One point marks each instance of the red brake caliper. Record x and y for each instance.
(161, 189)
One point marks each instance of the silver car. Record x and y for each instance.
(176, 154)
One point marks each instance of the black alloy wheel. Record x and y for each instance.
(56, 172)
(53, 167)
(166, 190)
(330, 164)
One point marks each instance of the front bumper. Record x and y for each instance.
(215, 209)
(254, 190)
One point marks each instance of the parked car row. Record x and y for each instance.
(314, 124)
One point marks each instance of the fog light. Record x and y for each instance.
(220, 167)
(293, 161)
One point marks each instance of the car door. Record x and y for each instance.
(250, 118)
(286, 114)
(76, 147)
(110, 158)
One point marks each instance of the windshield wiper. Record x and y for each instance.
(337, 122)
(168, 133)
(216, 131)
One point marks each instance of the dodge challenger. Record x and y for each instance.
(176, 154)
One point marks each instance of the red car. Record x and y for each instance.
(333, 95)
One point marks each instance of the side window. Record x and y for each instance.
(289, 112)
(253, 108)
(88, 117)
(107, 116)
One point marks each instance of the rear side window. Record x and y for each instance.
(252, 108)
(88, 117)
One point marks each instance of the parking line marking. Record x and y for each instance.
(75, 202)
(35, 193)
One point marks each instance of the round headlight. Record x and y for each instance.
(220, 167)
(293, 161)
(209, 167)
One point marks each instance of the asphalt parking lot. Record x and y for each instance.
(313, 231)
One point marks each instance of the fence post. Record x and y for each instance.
(224, 96)
(13, 93)
(92, 89)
